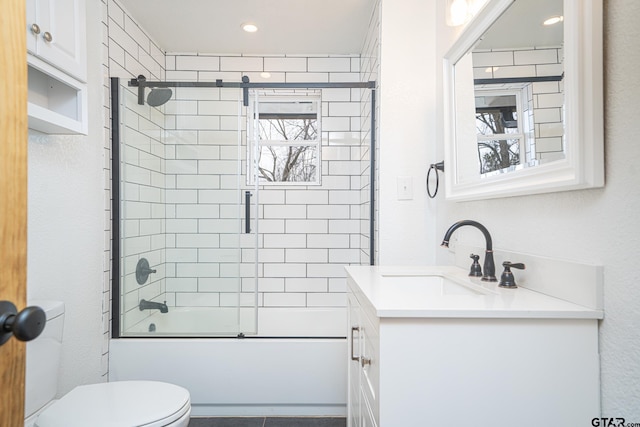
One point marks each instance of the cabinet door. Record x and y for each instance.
(62, 38)
(354, 404)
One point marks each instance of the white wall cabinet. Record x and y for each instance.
(417, 371)
(56, 33)
(57, 61)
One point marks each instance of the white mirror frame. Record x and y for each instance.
(583, 165)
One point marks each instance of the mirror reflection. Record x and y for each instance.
(517, 69)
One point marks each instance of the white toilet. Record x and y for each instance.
(114, 404)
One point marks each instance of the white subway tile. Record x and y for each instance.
(198, 122)
(197, 299)
(270, 284)
(307, 197)
(306, 255)
(550, 100)
(303, 284)
(182, 255)
(197, 241)
(270, 226)
(182, 226)
(150, 226)
(181, 196)
(329, 64)
(218, 108)
(549, 70)
(239, 63)
(326, 300)
(199, 269)
(336, 124)
(197, 211)
(181, 107)
(285, 270)
(285, 64)
(198, 181)
(328, 241)
(285, 240)
(307, 77)
(325, 270)
(284, 299)
(344, 109)
(272, 197)
(136, 210)
(218, 196)
(328, 212)
(344, 197)
(340, 284)
(516, 71)
(344, 256)
(285, 211)
(533, 57)
(181, 166)
(338, 167)
(223, 167)
(306, 226)
(336, 94)
(218, 284)
(219, 225)
(493, 59)
(199, 63)
(346, 226)
(181, 284)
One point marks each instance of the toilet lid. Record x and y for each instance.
(120, 403)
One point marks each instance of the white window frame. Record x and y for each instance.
(253, 137)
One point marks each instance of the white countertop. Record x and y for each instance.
(399, 291)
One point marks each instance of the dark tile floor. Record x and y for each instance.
(268, 422)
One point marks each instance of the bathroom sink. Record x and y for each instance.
(431, 285)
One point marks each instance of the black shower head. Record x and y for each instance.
(159, 96)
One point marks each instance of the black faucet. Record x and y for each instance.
(150, 305)
(489, 267)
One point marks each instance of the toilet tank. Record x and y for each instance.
(43, 358)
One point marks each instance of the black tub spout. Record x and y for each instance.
(150, 305)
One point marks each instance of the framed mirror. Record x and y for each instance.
(523, 100)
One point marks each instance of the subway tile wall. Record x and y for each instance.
(129, 52)
(307, 233)
(544, 100)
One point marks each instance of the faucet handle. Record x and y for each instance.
(507, 280)
(476, 270)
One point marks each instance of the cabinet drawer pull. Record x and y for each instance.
(47, 37)
(35, 28)
(354, 329)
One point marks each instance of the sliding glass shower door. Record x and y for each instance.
(187, 256)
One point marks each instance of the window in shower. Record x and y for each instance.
(285, 139)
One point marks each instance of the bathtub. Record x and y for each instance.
(243, 377)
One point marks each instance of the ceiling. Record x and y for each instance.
(521, 26)
(284, 26)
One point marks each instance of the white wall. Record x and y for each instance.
(593, 226)
(407, 130)
(66, 223)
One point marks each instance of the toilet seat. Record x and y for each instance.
(120, 403)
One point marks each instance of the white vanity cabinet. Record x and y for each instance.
(57, 62)
(428, 365)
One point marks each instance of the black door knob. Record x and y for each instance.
(25, 326)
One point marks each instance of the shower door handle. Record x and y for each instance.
(247, 212)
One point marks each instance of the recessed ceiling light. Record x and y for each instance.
(553, 20)
(249, 28)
